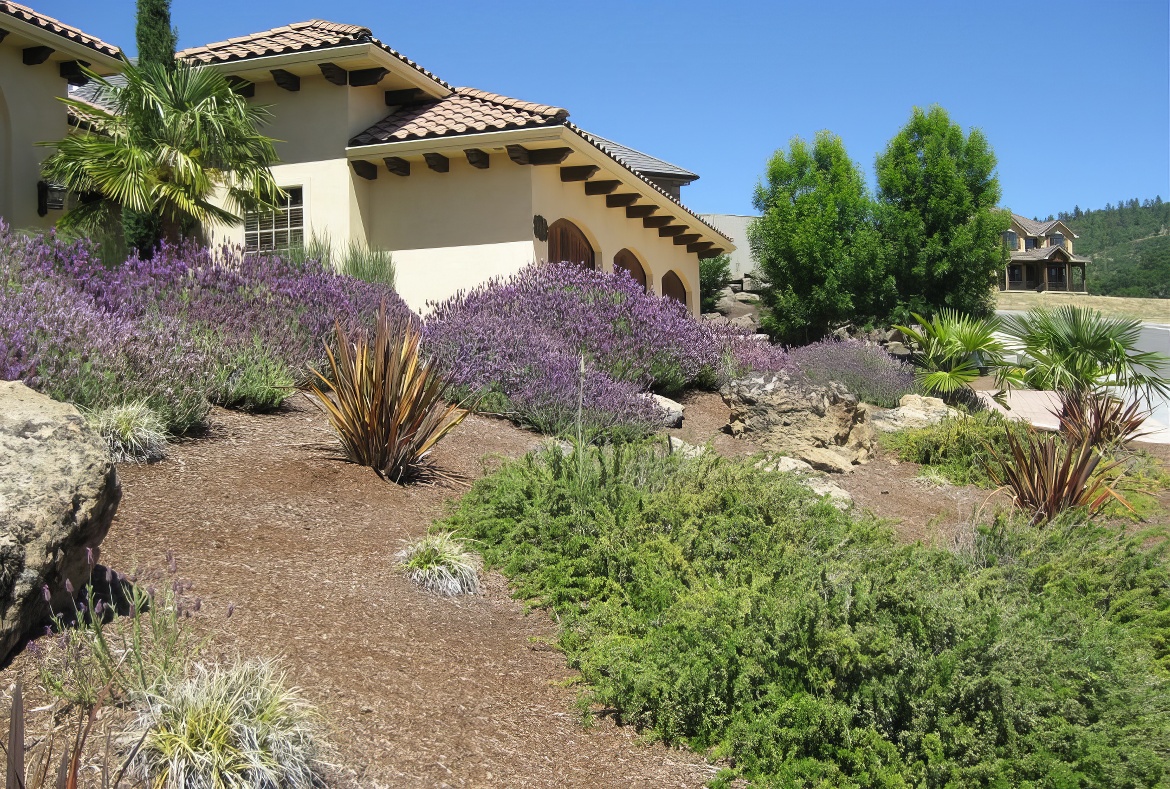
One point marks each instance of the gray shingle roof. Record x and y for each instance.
(1034, 228)
(1046, 253)
(642, 162)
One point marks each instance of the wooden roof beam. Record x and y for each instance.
(397, 166)
(289, 81)
(35, 56)
(700, 246)
(481, 160)
(601, 187)
(640, 211)
(334, 73)
(686, 238)
(621, 200)
(538, 156)
(404, 98)
(657, 221)
(582, 173)
(711, 253)
(367, 76)
(671, 230)
(72, 72)
(364, 169)
(242, 86)
(438, 162)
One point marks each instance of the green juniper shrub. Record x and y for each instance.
(714, 276)
(955, 448)
(732, 610)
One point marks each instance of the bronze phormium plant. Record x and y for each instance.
(388, 407)
(1099, 419)
(1048, 475)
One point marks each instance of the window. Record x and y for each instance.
(1011, 240)
(1015, 274)
(1056, 240)
(1056, 273)
(1029, 243)
(265, 231)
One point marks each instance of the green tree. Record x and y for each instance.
(171, 140)
(714, 276)
(815, 242)
(938, 191)
(156, 40)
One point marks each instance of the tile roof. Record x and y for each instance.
(26, 14)
(466, 111)
(642, 162)
(297, 37)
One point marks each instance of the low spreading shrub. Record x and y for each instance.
(188, 327)
(236, 726)
(957, 448)
(388, 407)
(516, 345)
(866, 370)
(730, 609)
(440, 563)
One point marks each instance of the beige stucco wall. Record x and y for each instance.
(29, 113)
(609, 231)
(451, 231)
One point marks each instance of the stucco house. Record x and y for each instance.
(1041, 257)
(39, 59)
(459, 184)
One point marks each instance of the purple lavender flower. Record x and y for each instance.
(865, 370)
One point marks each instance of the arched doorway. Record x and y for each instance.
(673, 287)
(625, 259)
(567, 243)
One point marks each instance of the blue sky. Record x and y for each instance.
(1073, 96)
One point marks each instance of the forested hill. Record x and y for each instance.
(1129, 244)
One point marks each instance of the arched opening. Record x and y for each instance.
(567, 243)
(625, 259)
(673, 287)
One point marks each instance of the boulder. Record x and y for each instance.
(747, 298)
(822, 425)
(914, 411)
(673, 411)
(898, 350)
(58, 493)
(838, 496)
(726, 301)
(752, 285)
(680, 447)
(785, 465)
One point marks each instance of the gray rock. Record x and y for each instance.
(913, 412)
(752, 285)
(736, 287)
(58, 494)
(838, 496)
(824, 426)
(744, 321)
(673, 411)
(784, 465)
(747, 298)
(726, 301)
(680, 447)
(897, 349)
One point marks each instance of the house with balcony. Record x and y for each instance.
(1041, 257)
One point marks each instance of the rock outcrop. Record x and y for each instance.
(58, 493)
(914, 411)
(672, 411)
(824, 426)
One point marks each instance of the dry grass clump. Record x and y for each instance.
(440, 563)
(134, 431)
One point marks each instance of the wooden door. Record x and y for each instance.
(626, 260)
(566, 243)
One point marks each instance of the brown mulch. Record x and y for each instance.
(418, 690)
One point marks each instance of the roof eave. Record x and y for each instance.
(99, 62)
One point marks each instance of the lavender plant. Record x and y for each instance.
(517, 344)
(866, 370)
(189, 327)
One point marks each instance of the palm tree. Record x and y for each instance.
(168, 141)
(952, 349)
(1075, 349)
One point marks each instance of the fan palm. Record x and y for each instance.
(1077, 349)
(951, 348)
(178, 142)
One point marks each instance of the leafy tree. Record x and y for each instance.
(815, 242)
(156, 40)
(171, 139)
(938, 192)
(714, 276)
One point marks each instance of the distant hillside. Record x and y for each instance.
(1130, 247)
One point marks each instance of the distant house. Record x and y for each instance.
(39, 59)
(459, 184)
(735, 226)
(1041, 257)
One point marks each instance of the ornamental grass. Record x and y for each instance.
(387, 405)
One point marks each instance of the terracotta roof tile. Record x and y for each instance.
(297, 37)
(466, 111)
(26, 14)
